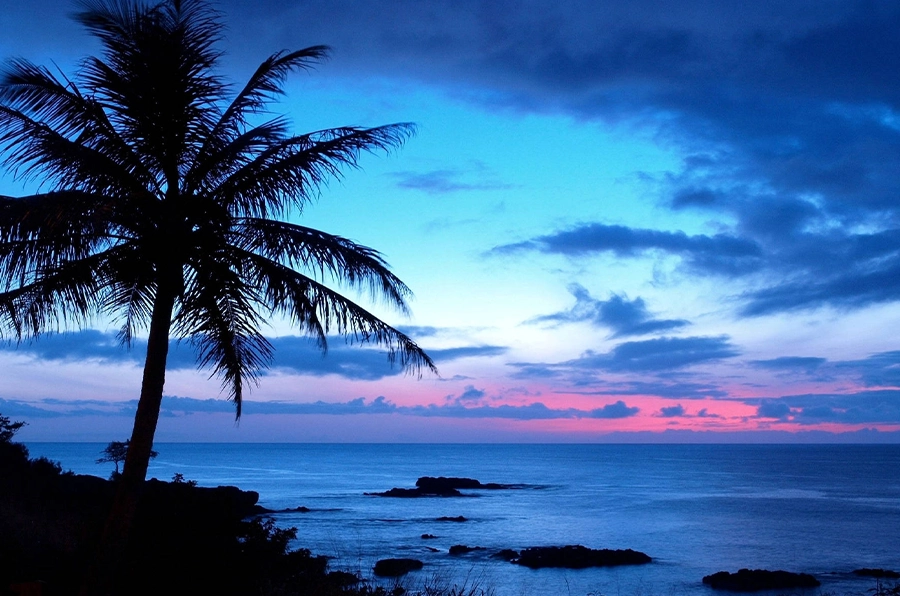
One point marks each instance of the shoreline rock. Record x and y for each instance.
(755, 580)
(877, 573)
(462, 549)
(578, 557)
(396, 567)
(441, 486)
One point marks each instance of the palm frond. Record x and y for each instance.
(219, 313)
(224, 140)
(318, 310)
(39, 232)
(157, 78)
(69, 293)
(290, 173)
(60, 105)
(330, 257)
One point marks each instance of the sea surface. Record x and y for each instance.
(695, 509)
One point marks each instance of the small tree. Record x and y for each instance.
(8, 429)
(116, 452)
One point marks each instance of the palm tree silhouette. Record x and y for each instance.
(167, 208)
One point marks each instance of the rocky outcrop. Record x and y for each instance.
(461, 549)
(507, 554)
(441, 486)
(578, 557)
(396, 567)
(754, 580)
(877, 573)
(446, 518)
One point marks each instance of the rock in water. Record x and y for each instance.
(507, 554)
(879, 573)
(578, 557)
(754, 580)
(461, 549)
(396, 567)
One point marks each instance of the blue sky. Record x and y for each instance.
(621, 221)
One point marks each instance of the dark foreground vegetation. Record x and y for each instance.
(196, 540)
(186, 539)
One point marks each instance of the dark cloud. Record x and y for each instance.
(469, 396)
(663, 387)
(439, 182)
(672, 411)
(786, 115)
(54, 408)
(419, 331)
(773, 409)
(862, 407)
(878, 370)
(721, 253)
(625, 317)
(89, 344)
(662, 354)
(616, 410)
(448, 354)
(181, 406)
(293, 354)
(663, 363)
(789, 363)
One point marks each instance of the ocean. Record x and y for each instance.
(695, 509)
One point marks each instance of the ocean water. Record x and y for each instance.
(695, 509)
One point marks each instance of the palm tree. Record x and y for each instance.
(166, 208)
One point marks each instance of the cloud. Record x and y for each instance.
(616, 410)
(787, 120)
(662, 387)
(469, 396)
(672, 411)
(773, 409)
(180, 406)
(448, 354)
(663, 366)
(786, 115)
(662, 354)
(860, 407)
(293, 354)
(720, 254)
(625, 317)
(445, 181)
(790, 363)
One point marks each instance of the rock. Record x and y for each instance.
(409, 493)
(753, 580)
(507, 554)
(458, 518)
(578, 557)
(343, 578)
(461, 549)
(428, 536)
(441, 486)
(396, 567)
(880, 573)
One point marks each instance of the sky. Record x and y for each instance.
(638, 221)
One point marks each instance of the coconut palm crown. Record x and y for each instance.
(165, 204)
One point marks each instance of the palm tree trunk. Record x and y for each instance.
(114, 541)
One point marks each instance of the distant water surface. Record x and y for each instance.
(696, 509)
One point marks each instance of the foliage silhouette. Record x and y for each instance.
(8, 429)
(167, 210)
(116, 452)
